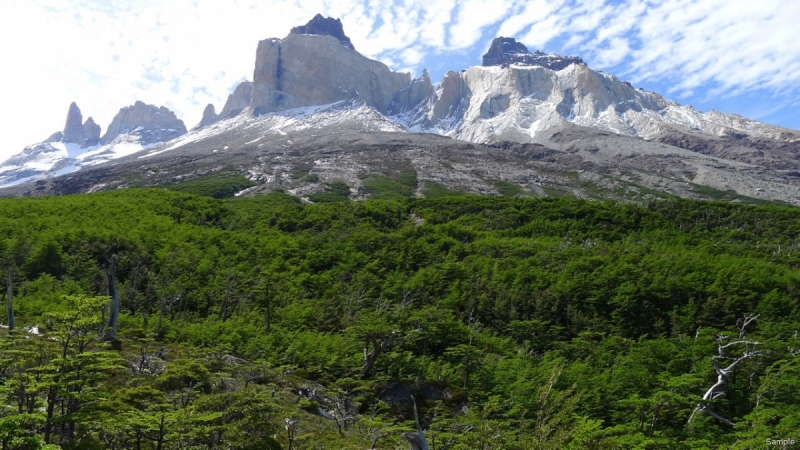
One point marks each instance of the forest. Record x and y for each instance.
(157, 319)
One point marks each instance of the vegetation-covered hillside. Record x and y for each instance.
(262, 323)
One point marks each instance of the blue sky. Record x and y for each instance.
(735, 56)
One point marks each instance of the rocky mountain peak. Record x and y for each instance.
(90, 133)
(316, 65)
(506, 51)
(73, 128)
(238, 100)
(149, 122)
(209, 117)
(76, 131)
(325, 26)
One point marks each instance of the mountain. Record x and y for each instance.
(79, 145)
(150, 124)
(523, 122)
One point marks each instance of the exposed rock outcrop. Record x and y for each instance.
(91, 133)
(73, 129)
(238, 100)
(76, 132)
(325, 26)
(408, 98)
(209, 117)
(452, 100)
(150, 123)
(507, 51)
(304, 70)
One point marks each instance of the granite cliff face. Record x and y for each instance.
(238, 101)
(409, 97)
(151, 123)
(75, 131)
(305, 70)
(209, 116)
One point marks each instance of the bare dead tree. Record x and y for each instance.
(231, 282)
(724, 371)
(162, 305)
(354, 299)
(379, 345)
(134, 284)
(417, 441)
(291, 430)
(10, 298)
(113, 307)
(13, 256)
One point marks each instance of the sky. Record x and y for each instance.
(734, 56)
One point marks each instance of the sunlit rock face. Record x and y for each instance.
(238, 101)
(318, 69)
(209, 117)
(409, 97)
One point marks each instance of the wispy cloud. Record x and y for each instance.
(183, 54)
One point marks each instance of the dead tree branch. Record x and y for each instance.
(717, 389)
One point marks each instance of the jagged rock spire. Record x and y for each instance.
(86, 134)
(209, 117)
(73, 129)
(91, 133)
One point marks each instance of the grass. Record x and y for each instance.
(643, 190)
(218, 185)
(434, 189)
(506, 189)
(397, 185)
(730, 195)
(335, 191)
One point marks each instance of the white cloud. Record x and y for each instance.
(472, 17)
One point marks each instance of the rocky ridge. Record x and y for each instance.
(151, 123)
(507, 51)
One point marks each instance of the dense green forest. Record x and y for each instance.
(154, 319)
